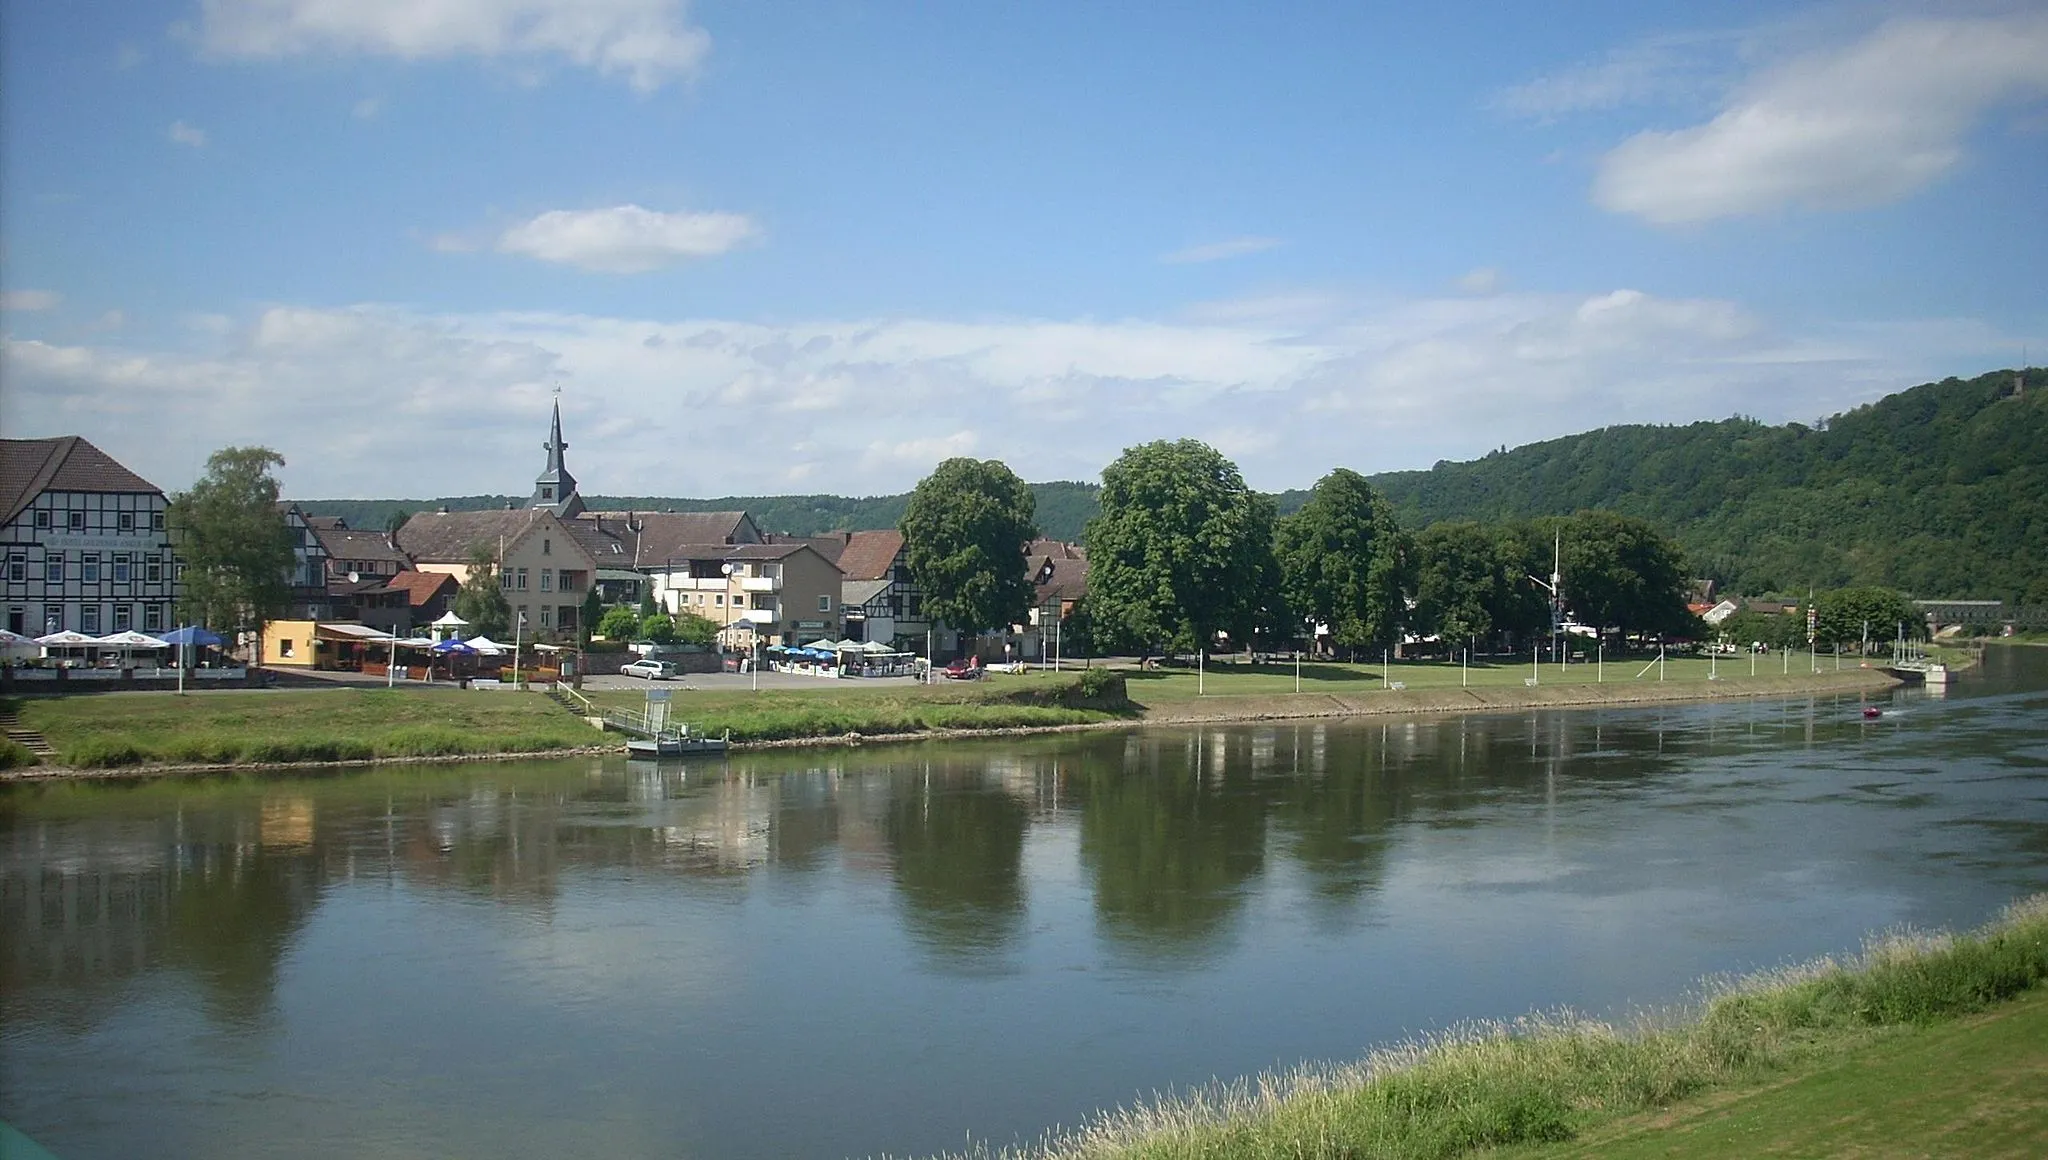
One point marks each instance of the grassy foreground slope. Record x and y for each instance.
(1826, 1042)
(1977, 1087)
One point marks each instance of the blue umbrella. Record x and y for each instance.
(191, 634)
(455, 645)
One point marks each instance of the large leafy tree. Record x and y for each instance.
(964, 535)
(1469, 583)
(1182, 549)
(1343, 560)
(481, 600)
(1620, 572)
(1851, 615)
(235, 542)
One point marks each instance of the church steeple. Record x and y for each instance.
(555, 488)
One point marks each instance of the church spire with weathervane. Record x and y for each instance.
(555, 489)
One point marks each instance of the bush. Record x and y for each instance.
(15, 755)
(1102, 685)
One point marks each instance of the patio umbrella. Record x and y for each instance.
(484, 644)
(192, 634)
(455, 646)
(67, 639)
(131, 640)
(11, 642)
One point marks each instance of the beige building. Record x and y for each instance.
(544, 568)
(787, 593)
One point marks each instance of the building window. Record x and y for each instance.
(121, 575)
(156, 521)
(153, 570)
(127, 521)
(284, 646)
(547, 546)
(547, 579)
(519, 582)
(89, 622)
(718, 598)
(89, 567)
(124, 618)
(546, 610)
(77, 521)
(824, 604)
(178, 570)
(547, 493)
(17, 567)
(43, 520)
(53, 569)
(152, 618)
(505, 580)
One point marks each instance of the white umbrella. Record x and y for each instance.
(67, 639)
(484, 644)
(132, 640)
(11, 642)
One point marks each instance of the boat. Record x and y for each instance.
(680, 743)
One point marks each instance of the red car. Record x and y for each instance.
(964, 669)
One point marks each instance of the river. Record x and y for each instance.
(851, 952)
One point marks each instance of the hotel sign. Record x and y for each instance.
(107, 543)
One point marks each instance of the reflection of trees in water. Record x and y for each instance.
(957, 849)
(1337, 821)
(1171, 838)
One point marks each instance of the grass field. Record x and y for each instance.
(1906, 1050)
(116, 729)
(1222, 679)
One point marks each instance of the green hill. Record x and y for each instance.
(1940, 491)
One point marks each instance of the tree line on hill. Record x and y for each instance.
(1940, 491)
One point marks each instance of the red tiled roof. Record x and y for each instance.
(30, 467)
(420, 588)
(870, 555)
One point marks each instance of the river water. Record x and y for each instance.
(885, 950)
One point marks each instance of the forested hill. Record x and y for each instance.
(1063, 508)
(1940, 491)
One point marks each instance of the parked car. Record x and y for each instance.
(964, 669)
(649, 670)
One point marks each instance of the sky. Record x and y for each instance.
(821, 245)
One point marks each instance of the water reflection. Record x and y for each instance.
(1024, 930)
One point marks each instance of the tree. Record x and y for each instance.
(235, 543)
(1620, 572)
(1848, 615)
(587, 617)
(1469, 583)
(620, 622)
(481, 600)
(1182, 549)
(1342, 561)
(658, 627)
(964, 535)
(694, 629)
(396, 521)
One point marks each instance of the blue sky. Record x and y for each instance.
(820, 246)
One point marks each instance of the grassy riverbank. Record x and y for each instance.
(1882, 1049)
(354, 723)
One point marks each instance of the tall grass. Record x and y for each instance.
(1545, 1079)
(14, 755)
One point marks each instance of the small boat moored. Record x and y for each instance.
(680, 743)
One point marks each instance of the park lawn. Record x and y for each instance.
(235, 727)
(1977, 1087)
(1221, 678)
(835, 708)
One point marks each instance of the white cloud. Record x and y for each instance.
(365, 400)
(1484, 280)
(182, 134)
(29, 299)
(1854, 126)
(648, 42)
(625, 239)
(1218, 251)
(1662, 69)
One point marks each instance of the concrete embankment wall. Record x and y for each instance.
(1498, 699)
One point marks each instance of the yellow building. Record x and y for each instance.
(328, 645)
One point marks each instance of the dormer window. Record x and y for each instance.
(547, 493)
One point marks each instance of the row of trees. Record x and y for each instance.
(1183, 551)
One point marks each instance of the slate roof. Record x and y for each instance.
(30, 467)
(654, 537)
(856, 593)
(830, 545)
(869, 555)
(446, 537)
(351, 544)
(1069, 579)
